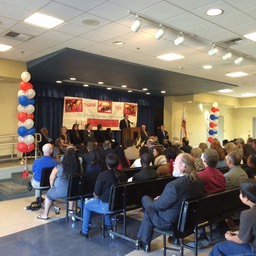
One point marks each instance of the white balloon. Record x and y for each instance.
(20, 124)
(29, 139)
(217, 113)
(25, 76)
(29, 123)
(215, 104)
(29, 109)
(215, 121)
(30, 93)
(21, 108)
(21, 92)
(21, 139)
(215, 128)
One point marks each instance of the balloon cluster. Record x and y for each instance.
(214, 116)
(25, 114)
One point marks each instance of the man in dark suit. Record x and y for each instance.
(162, 134)
(163, 211)
(88, 135)
(124, 123)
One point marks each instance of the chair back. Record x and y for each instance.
(45, 177)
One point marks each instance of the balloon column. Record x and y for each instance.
(25, 115)
(213, 124)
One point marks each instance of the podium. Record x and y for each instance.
(130, 133)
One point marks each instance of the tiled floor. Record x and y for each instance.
(21, 233)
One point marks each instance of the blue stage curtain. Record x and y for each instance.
(50, 98)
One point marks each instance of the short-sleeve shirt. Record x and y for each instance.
(247, 228)
(103, 185)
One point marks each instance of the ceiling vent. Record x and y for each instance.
(18, 36)
(235, 41)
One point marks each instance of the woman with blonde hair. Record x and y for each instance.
(215, 144)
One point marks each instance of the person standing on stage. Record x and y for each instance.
(162, 134)
(124, 123)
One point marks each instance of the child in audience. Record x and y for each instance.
(242, 242)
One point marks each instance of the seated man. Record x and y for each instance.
(185, 145)
(146, 171)
(242, 242)
(163, 211)
(236, 174)
(40, 163)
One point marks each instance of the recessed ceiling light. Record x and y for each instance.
(4, 47)
(118, 43)
(85, 85)
(147, 93)
(251, 36)
(170, 56)
(90, 22)
(214, 12)
(109, 88)
(72, 78)
(249, 94)
(236, 74)
(144, 89)
(207, 67)
(129, 91)
(225, 90)
(124, 86)
(100, 82)
(42, 20)
(163, 91)
(59, 82)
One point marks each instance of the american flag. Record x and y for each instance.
(183, 131)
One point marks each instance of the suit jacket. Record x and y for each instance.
(146, 173)
(166, 209)
(88, 137)
(162, 135)
(235, 176)
(123, 124)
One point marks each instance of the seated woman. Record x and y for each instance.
(123, 161)
(94, 160)
(159, 157)
(170, 155)
(196, 153)
(63, 140)
(101, 193)
(215, 144)
(59, 180)
(75, 137)
(251, 169)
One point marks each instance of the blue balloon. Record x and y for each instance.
(31, 102)
(23, 100)
(211, 132)
(213, 117)
(31, 131)
(22, 131)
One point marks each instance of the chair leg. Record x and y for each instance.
(103, 226)
(164, 245)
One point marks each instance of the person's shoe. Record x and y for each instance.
(145, 247)
(173, 241)
(29, 186)
(84, 235)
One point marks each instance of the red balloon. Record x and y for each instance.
(25, 86)
(30, 147)
(30, 116)
(22, 116)
(210, 139)
(217, 109)
(212, 125)
(22, 147)
(213, 109)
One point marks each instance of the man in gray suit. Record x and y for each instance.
(163, 211)
(236, 174)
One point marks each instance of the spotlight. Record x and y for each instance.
(238, 61)
(213, 50)
(179, 40)
(136, 24)
(227, 55)
(159, 33)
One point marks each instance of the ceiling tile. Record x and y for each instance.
(220, 36)
(161, 11)
(76, 43)
(191, 4)
(242, 5)
(12, 12)
(31, 5)
(109, 11)
(26, 28)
